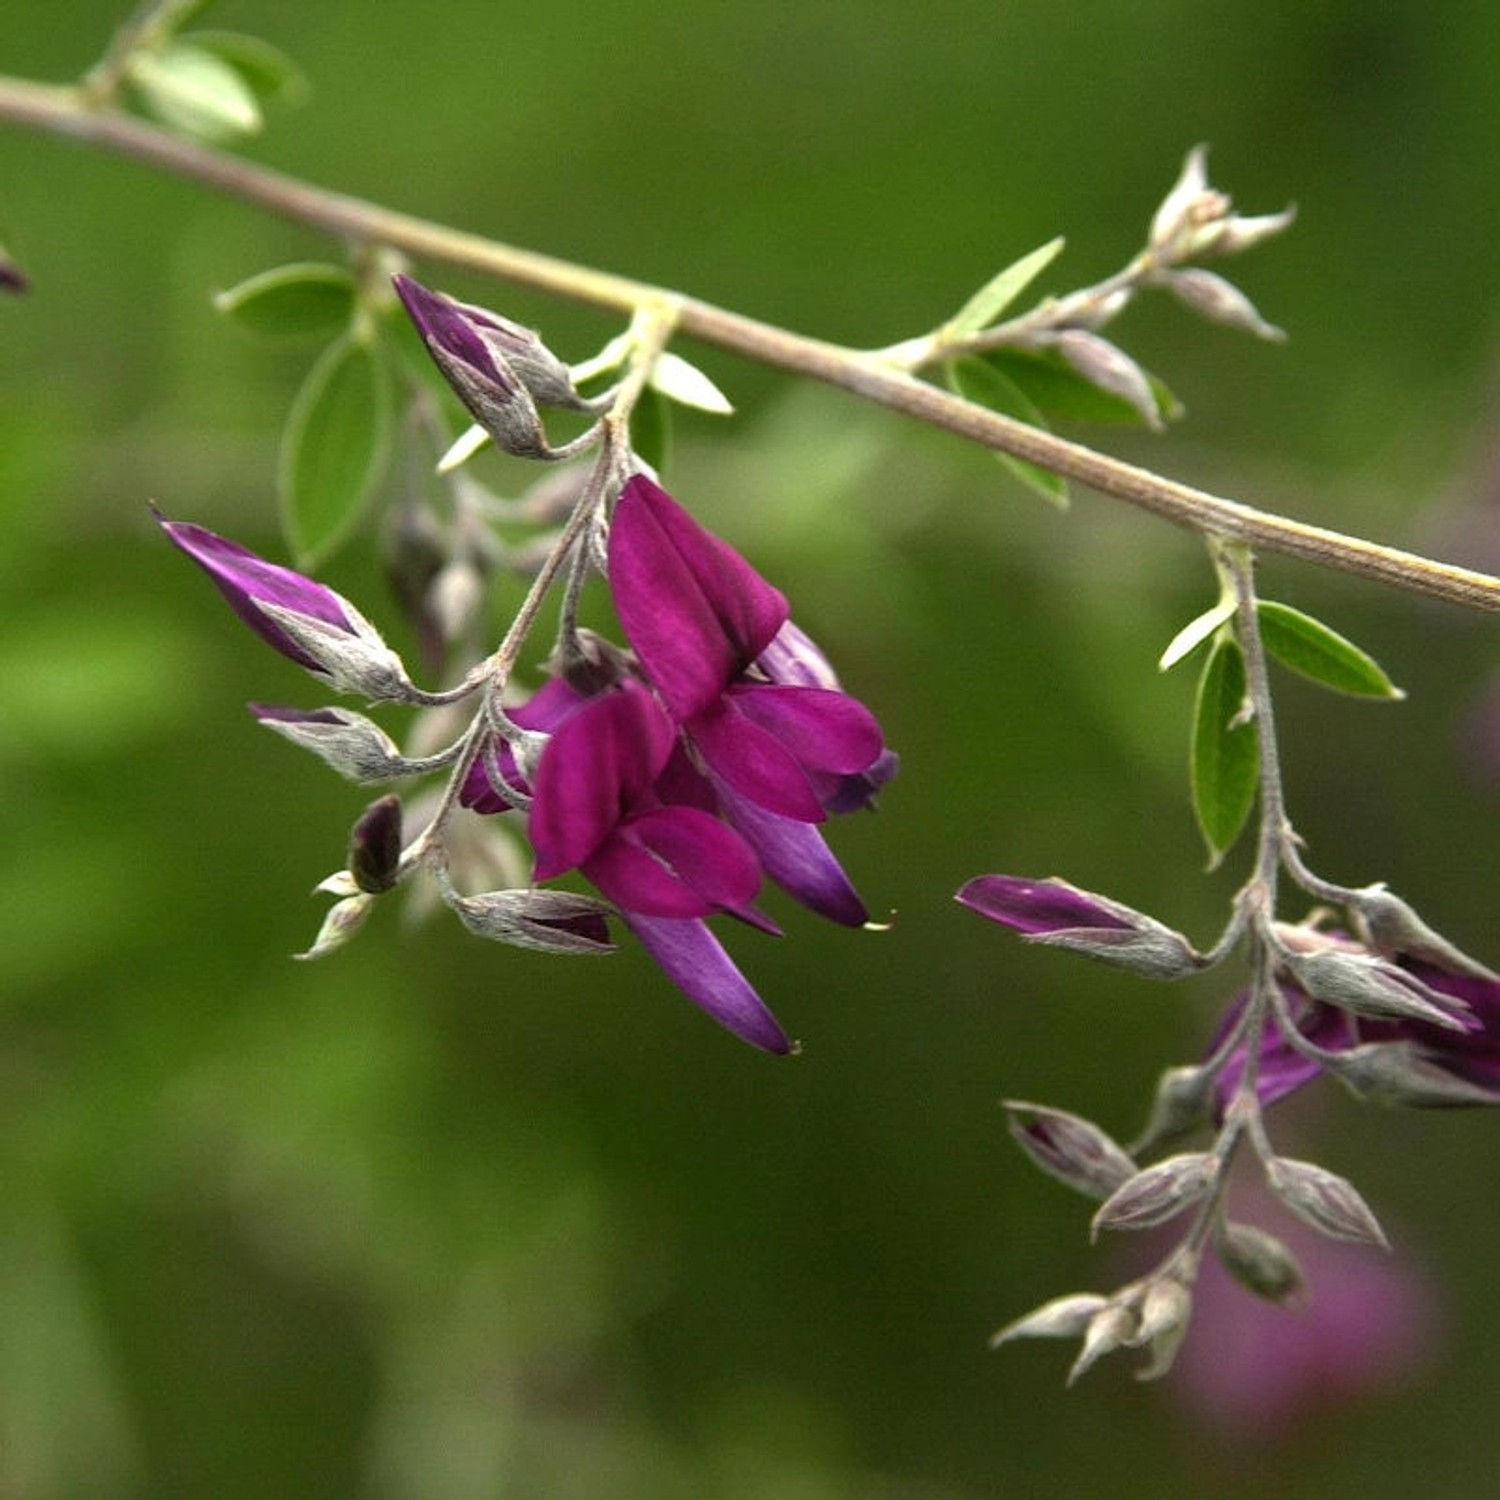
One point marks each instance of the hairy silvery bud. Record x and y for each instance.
(1072, 1149)
(499, 370)
(1324, 1200)
(1196, 219)
(1220, 301)
(1401, 1074)
(1062, 1318)
(1059, 915)
(1158, 1193)
(344, 919)
(1184, 1099)
(354, 660)
(356, 747)
(1110, 368)
(1369, 986)
(1165, 1310)
(1392, 926)
(548, 921)
(1259, 1262)
(375, 846)
(1114, 1327)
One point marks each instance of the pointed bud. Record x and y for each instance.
(343, 921)
(1059, 915)
(1105, 365)
(1369, 986)
(304, 620)
(1394, 927)
(1158, 1193)
(547, 921)
(1259, 1262)
(1405, 1076)
(1072, 1149)
(1242, 232)
(1216, 299)
(1184, 1099)
(1062, 1318)
(356, 747)
(1324, 1200)
(1189, 201)
(375, 846)
(1114, 1327)
(1165, 1312)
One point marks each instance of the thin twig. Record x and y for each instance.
(64, 112)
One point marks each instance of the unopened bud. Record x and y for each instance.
(1212, 297)
(1259, 1262)
(1369, 986)
(1070, 1148)
(343, 920)
(1166, 1308)
(1062, 1318)
(354, 660)
(1184, 1099)
(1158, 1193)
(547, 921)
(1404, 1076)
(356, 747)
(375, 846)
(1114, 1327)
(1107, 366)
(1394, 927)
(1324, 1200)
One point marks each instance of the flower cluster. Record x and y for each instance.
(674, 776)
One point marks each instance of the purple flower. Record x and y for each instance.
(1407, 1062)
(304, 620)
(700, 618)
(598, 807)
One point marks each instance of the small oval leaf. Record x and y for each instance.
(978, 380)
(300, 300)
(195, 92)
(1310, 648)
(687, 385)
(1225, 752)
(268, 72)
(1194, 633)
(333, 449)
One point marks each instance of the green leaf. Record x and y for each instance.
(1194, 633)
(1309, 647)
(333, 449)
(299, 300)
(986, 305)
(651, 428)
(1060, 393)
(195, 92)
(687, 385)
(1225, 751)
(268, 72)
(976, 379)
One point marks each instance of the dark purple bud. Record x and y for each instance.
(1056, 914)
(303, 619)
(375, 846)
(499, 370)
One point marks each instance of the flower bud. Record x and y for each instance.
(1391, 926)
(1324, 1200)
(1158, 1193)
(547, 921)
(1369, 986)
(1072, 1149)
(1259, 1262)
(356, 747)
(1062, 1318)
(343, 921)
(375, 846)
(1406, 1076)
(1219, 300)
(1107, 366)
(1114, 1327)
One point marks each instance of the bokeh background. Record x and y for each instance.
(436, 1220)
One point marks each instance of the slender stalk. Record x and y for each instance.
(66, 112)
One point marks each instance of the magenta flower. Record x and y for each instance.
(1407, 1062)
(302, 618)
(700, 618)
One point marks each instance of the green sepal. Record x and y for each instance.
(986, 305)
(976, 379)
(1225, 751)
(651, 428)
(1060, 393)
(333, 449)
(1314, 651)
(300, 300)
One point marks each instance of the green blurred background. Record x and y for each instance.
(435, 1220)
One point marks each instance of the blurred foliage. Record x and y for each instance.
(433, 1220)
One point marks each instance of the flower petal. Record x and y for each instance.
(825, 731)
(675, 862)
(754, 762)
(1033, 906)
(599, 762)
(796, 856)
(695, 611)
(695, 961)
